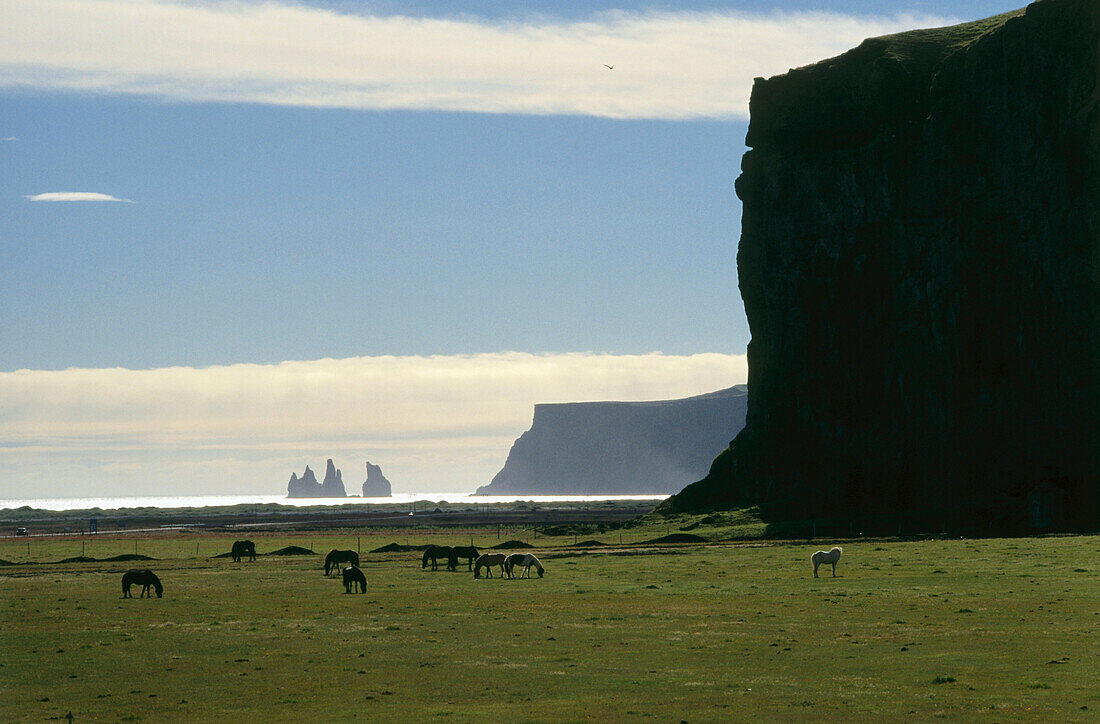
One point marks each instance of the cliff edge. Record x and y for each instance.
(920, 266)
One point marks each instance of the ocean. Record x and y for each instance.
(207, 501)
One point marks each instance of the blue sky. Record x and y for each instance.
(346, 180)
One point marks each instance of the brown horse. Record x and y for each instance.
(469, 553)
(335, 558)
(434, 553)
(243, 548)
(487, 560)
(143, 577)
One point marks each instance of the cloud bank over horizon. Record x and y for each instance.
(667, 65)
(439, 424)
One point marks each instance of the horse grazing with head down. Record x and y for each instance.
(434, 553)
(353, 577)
(243, 548)
(469, 553)
(831, 556)
(527, 560)
(145, 578)
(335, 558)
(486, 561)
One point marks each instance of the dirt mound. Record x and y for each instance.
(112, 559)
(513, 544)
(588, 544)
(679, 538)
(398, 548)
(5, 563)
(292, 551)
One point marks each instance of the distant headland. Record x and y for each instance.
(620, 448)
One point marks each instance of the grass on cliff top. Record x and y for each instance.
(972, 630)
(929, 46)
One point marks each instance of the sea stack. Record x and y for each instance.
(308, 487)
(920, 266)
(333, 484)
(376, 485)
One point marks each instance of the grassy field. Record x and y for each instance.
(968, 630)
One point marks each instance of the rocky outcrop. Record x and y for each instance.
(376, 485)
(308, 487)
(333, 484)
(920, 266)
(613, 448)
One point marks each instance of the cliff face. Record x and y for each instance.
(376, 485)
(920, 266)
(620, 447)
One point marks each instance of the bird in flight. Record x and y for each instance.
(609, 67)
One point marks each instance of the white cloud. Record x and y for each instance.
(76, 196)
(9, 138)
(433, 423)
(667, 64)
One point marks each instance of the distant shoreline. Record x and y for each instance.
(260, 516)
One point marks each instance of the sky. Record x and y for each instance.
(240, 237)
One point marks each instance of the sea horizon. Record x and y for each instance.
(210, 501)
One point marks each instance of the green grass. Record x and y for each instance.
(974, 630)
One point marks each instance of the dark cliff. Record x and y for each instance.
(620, 447)
(920, 266)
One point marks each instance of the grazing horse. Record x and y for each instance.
(335, 558)
(434, 553)
(243, 548)
(469, 553)
(526, 560)
(352, 577)
(145, 578)
(820, 557)
(486, 561)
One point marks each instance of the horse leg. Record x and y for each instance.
(834, 569)
(815, 569)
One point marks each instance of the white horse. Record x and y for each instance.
(526, 560)
(831, 556)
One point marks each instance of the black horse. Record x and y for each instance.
(469, 553)
(352, 577)
(434, 553)
(145, 578)
(335, 558)
(243, 548)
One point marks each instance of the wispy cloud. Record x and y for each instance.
(433, 423)
(76, 196)
(9, 138)
(666, 64)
